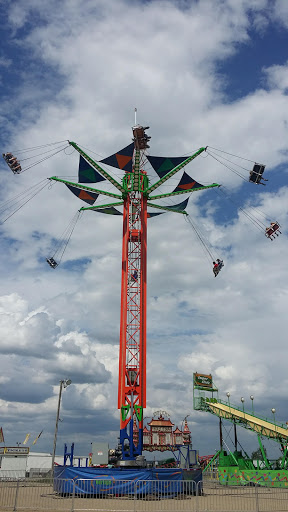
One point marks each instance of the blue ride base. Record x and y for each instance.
(121, 481)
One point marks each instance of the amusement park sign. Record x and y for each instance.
(203, 381)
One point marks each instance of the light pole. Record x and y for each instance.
(63, 384)
(252, 398)
(242, 400)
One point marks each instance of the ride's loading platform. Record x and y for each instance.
(235, 467)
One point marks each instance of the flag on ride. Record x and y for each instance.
(26, 438)
(35, 440)
(1, 436)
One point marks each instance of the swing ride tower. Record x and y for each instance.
(136, 194)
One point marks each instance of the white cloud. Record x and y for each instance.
(278, 77)
(281, 12)
(5, 63)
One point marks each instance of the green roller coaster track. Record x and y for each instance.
(233, 467)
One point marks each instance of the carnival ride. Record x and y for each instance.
(234, 467)
(134, 194)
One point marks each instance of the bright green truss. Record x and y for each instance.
(136, 181)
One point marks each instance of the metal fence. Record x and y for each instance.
(36, 495)
(211, 473)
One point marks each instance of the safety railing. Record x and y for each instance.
(36, 495)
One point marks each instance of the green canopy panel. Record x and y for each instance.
(162, 165)
(86, 173)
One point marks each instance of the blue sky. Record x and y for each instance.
(200, 73)
(244, 71)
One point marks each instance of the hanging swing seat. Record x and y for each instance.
(217, 267)
(256, 174)
(52, 262)
(272, 230)
(12, 162)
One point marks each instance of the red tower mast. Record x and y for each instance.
(132, 355)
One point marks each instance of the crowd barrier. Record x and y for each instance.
(35, 495)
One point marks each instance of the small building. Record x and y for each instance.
(19, 462)
(161, 436)
(13, 461)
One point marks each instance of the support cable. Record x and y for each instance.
(233, 163)
(257, 223)
(260, 213)
(228, 167)
(6, 204)
(28, 156)
(21, 199)
(64, 239)
(204, 243)
(231, 154)
(91, 151)
(40, 154)
(43, 159)
(38, 147)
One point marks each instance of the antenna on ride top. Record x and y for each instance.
(135, 119)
